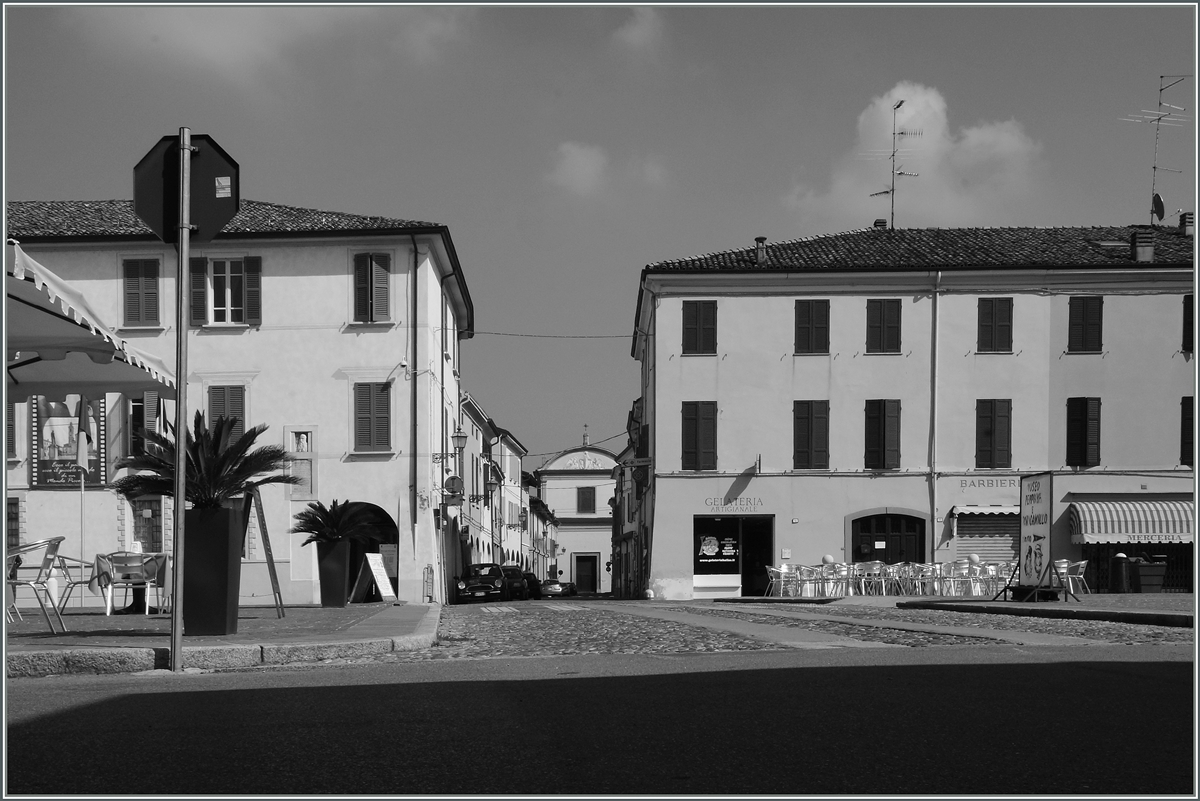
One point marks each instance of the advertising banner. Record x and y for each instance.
(1036, 504)
(717, 554)
(67, 439)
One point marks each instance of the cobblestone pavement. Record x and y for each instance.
(1095, 630)
(561, 628)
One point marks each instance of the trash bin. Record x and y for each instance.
(1118, 574)
(1146, 575)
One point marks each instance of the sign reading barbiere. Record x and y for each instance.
(67, 441)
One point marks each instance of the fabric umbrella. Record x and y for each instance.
(57, 344)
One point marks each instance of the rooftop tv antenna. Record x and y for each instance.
(1167, 115)
(896, 133)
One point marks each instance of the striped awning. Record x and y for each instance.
(1132, 521)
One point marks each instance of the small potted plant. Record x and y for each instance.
(221, 469)
(333, 528)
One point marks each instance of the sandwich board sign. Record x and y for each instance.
(1034, 556)
(372, 570)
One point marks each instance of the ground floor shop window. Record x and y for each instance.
(888, 538)
(734, 545)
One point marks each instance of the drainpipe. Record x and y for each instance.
(412, 425)
(933, 414)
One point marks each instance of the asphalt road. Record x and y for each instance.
(990, 719)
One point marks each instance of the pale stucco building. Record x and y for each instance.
(878, 394)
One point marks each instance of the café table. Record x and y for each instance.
(156, 569)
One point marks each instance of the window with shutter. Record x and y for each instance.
(993, 433)
(882, 435)
(198, 290)
(995, 325)
(585, 500)
(1186, 439)
(1085, 324)
(1083, 432)
(141, 291)
(372, 277)
(810, 427)
(225, 291)
(812, 326)
(883, 326)
(700, 326)
(699, 435)
(228, 401)
(1188, 324)
(372, 417)
(143, 417)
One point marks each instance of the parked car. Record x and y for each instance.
(514, 584)
(533, 585)
(553, 586)
(481, 582)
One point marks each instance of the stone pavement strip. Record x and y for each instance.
(403, 627)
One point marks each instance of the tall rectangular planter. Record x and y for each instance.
(212, 570)
(333, 570)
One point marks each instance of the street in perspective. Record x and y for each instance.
(498, 400)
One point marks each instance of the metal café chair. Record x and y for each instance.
(775, 579)
(130, 569)
(75, 573)
(38, 582)
(1075, 579)
(808, 580)
(869, 578)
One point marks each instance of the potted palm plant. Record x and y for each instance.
(221, 469)
(333, 528)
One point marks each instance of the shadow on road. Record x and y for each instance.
(1078, 728)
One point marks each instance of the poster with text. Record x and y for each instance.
(1036, 504)
(56, 442)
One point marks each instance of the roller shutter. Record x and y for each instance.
(994, 537)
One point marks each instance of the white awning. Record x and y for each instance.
(1132, 521)
(985, 510)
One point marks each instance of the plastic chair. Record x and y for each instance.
(130, 569)
(1075, 578)
(75, 573)
(38, 582)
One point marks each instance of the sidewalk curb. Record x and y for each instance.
(83, 661)
(1060, 612)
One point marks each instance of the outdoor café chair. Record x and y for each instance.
(837, 580)
(869, 578)
(808, 581)
(38, 582)
(129, 569)
(776, 579)
(74, 574)
(1075, 579)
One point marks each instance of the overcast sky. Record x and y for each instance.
(566, 148)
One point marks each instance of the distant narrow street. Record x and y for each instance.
(572, 697)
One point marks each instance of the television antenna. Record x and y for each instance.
(1168, 115)
(896, 134)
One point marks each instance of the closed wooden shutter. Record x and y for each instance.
(708, 435)
(699, 326)
(891, 326)
(874, 326)
(1188, 323)
(992, 537)
(372, 420)
(873, 435)
(810, 425)
(691, 327)
(380, 274)
(708, 326)
(993, 433)
(1002, 456)
(137, 426)
(689, 435)
(1085, 324)
(198, 290)
(10, 429)
(141, 291)
(362, 287)
(1003, 324)
(1186, 445)
(253, 305)
(995, 325)
(228, 401)
(812, 326)
(891, 438)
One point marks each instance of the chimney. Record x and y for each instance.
(1142, 246)
(1187, 223)
(880, 224)
(760, 249)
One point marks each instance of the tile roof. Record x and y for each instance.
(85, 219)
(925, 248)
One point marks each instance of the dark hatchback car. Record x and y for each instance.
(533, 586)
(515, 587)
(482, 582)
(553, 586)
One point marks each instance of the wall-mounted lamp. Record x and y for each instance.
(459, 438)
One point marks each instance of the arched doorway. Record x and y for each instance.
(359, 550)
(888, 538)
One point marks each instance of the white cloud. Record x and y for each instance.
(990, 174)
(580, 169)
(642, 32)
(425, 32)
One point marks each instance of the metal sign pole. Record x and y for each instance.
(181, 324)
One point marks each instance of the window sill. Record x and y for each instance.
(359, 325)
(224, 327)
(993, 353)
(140, 329)
(714, 353)
(1083, 353)
(813, 353)
(371, 455)
(883, 353)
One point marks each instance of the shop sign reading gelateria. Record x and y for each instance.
(733, 504)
